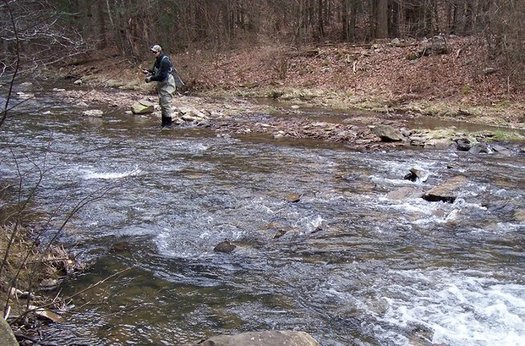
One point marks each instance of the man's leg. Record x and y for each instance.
(165, 98)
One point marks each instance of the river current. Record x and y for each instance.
(345, 263)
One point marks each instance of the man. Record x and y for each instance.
(162, 74)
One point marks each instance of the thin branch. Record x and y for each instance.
(17, 65)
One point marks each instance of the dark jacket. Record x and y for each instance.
(161, 69)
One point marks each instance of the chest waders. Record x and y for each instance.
(166, 89)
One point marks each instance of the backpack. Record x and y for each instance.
(179, 83)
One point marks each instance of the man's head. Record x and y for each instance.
(156, 49)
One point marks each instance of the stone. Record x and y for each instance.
(293, 197)
(143, 107)
(387, 133)
(417, 174)
(463, 144)
(500, 149)
(447, 191)
(192, 114)
(46, 314)
(279, 233)
(489, 70)
(225, 247)
(438, 143)
(96, 113)
(519, 215)
(403, 193)
(49, 284)
(8, 338)
(25, 96)
(435, 46)
(479, 148)
(266, 338)
(26, 86)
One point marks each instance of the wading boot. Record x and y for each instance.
(167, 122)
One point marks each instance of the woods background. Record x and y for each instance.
(50, 30)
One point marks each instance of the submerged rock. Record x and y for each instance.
(405, 193)
(266, 338)
(46, 314)
(225, 247)
(97, 113)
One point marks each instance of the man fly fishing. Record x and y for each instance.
(167, 80)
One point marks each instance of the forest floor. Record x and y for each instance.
(398, 76)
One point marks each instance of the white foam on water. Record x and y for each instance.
(89, 175)
(458, 308)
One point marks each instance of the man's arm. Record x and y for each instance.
(164, 71)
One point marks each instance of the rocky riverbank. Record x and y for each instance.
(356, 92)
(241, 117)
(32, 268)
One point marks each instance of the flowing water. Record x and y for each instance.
(346, 263)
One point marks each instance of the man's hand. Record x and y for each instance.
(145, 71)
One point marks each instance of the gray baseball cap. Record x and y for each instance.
(156, 48)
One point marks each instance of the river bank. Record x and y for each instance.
(385, 77)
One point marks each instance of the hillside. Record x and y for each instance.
(448, 78)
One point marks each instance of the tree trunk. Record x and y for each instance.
(382, 19)
(320, 19)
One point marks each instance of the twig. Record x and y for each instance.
(99, 282)
(76, 294)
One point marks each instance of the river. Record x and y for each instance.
(345, 263)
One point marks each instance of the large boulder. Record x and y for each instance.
(143, 107)
(266, 338)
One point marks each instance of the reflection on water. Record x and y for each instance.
(346, 263)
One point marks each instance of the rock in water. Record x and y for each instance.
(225, 247)
(447, 191)
(404, 193)
(97, 113)
(266, 338)
(463, 144)
(417, 174)
(293, 198)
